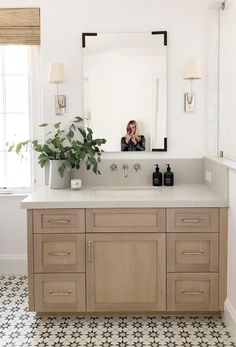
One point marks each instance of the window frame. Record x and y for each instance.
(34, 106)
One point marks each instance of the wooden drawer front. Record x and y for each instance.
(59, 292)
(59, 253)
(192, 220)
(125, 220)
(192, 252)
(192, 292)
(59, 221)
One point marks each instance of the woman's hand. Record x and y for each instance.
(127, 138)
(133, 139)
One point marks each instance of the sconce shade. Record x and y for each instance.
(56, 73)
(192, 69)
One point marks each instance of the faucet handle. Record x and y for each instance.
(113, 167)
(137, 167)
(125, 167)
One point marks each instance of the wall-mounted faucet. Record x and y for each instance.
(113, 167)
(125, 168)
(137, 167)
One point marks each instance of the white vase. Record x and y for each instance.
(55, 179)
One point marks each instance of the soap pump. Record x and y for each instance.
(157, 177)
(168, 177)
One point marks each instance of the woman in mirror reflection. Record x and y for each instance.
(132, 141)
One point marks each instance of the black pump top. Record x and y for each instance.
(157, 168)
(168, 167)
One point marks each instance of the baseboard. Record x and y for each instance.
(13, 264)
(230, 318)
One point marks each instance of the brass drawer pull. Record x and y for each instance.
(192, 253)
(59, 254)
(62, 221)
(196, 220)
(200, 292)
(52, 293)
(89, 251)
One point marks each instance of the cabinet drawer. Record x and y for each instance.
(192, 292)
(59, 253)
(125, 220)
(192, 252)
(192, 220)
(59, 221)
(60, 292)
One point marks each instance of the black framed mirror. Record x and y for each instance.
(124, 79)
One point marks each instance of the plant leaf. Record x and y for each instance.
(57, 125)
(83, 133)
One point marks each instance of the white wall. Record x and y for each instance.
(62, 23)
(186, 22)
(13, 235)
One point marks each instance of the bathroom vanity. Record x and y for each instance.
(139, 250)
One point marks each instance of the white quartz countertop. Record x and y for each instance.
(180, 195)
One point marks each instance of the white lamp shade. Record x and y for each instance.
(56, 73)
(192, 69)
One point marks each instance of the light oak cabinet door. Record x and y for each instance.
(126, 272)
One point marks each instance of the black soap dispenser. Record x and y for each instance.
(157, 177)
(168, 177)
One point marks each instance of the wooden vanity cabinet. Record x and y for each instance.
(127, 260)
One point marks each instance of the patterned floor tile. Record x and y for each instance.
(20, 328)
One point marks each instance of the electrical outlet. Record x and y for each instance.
(208, 176)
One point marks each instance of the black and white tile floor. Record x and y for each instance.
(19, 328)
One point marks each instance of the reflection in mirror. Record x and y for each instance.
(125, 79)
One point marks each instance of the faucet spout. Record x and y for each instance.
(125, 168)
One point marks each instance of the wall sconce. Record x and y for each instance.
(56, 75)
(192, 71)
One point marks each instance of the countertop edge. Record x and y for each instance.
(122, 204)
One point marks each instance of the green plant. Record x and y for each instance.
(66, 145)
(88, 149)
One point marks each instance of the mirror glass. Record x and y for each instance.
(124, 79)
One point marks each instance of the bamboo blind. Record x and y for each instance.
(20, 26)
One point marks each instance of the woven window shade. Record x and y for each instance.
(20, 26)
